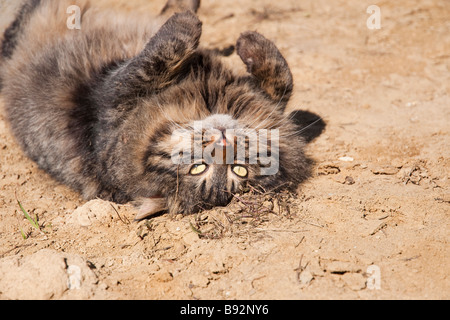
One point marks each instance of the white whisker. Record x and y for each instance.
(286, 116)
(302, 129)
(275, 108)
(167, 116)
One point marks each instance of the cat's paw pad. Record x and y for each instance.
(265, 62)
(252, 47)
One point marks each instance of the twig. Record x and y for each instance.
(125, 222)
(281, 230)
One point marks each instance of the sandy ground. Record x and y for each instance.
(372, 223)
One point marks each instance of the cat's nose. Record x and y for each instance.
(222, 141)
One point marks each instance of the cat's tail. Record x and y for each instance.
(13, 16)
(10, 31)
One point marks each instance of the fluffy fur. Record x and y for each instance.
(96, 107)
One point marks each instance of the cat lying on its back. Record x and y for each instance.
(130, 109)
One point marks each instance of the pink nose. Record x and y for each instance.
(223, 142)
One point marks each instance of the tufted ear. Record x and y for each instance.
(159, 64)
(265, 62)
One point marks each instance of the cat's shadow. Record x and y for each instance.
(310, 125)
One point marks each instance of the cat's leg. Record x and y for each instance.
(173, 6)
(268, 67)
(158, 65)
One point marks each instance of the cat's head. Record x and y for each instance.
(218, 130)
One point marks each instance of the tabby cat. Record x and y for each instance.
(97, 107)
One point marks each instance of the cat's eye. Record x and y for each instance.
(240, 171)
(198, 169)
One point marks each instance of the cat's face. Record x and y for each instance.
(217, 155)
(221, 130)
(206, 149)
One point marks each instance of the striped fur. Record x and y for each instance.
(96, 107)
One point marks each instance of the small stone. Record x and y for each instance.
(349, 180)
(94, 211)
(46, 274)
(163, 276)
(305, 278)
(346, 159)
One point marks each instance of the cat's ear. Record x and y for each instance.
(265, 62)
(160, 62)
(173, 6)
(149, 206)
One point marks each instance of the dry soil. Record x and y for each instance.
(372, 222)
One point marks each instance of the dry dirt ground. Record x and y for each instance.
(372, 222)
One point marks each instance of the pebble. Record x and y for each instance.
(346, 159)
(163, 276)
(94, 211)
(46, 274)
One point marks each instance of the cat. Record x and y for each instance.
(98, 107)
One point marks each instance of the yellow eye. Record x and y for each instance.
(198, 169)
(240, 171)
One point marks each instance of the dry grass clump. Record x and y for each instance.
(248, 211)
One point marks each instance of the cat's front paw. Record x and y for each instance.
(265, 62)
(179, 36)
(164, 56)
